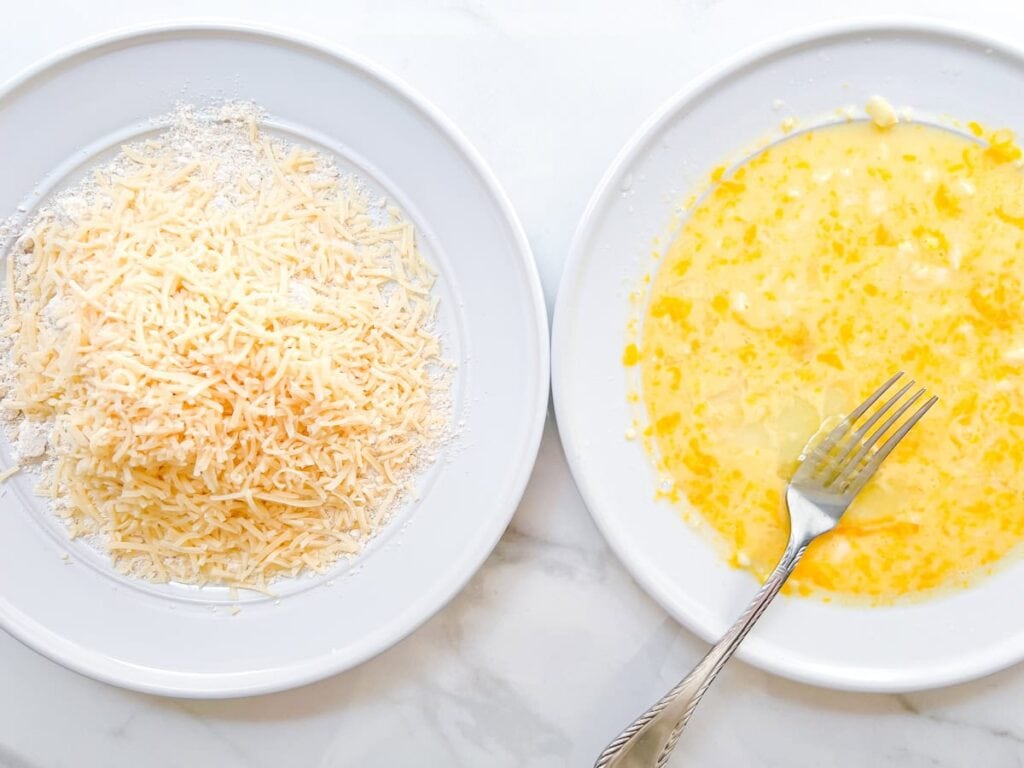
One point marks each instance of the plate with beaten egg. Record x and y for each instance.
(779, 238)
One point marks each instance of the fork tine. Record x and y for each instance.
(837, 434)
(862, 408)
(856, 437)
(858, 480)
(848, 468)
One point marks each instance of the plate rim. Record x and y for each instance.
(93, 663)
(877, 680)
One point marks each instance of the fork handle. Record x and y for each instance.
(650, 738)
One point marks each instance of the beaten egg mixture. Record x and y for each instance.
(802, 280)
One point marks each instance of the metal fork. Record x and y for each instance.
(830, 474)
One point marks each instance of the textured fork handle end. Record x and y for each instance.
(649, 739)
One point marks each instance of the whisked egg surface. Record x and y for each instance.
(800, 281)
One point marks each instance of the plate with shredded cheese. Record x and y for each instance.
(784, 233)
(257, 341)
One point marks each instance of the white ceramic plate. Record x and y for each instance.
(76, 108)
(939, 72)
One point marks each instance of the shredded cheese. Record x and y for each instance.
(241, 373)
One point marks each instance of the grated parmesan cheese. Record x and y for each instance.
(226, 356)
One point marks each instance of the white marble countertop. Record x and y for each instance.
(551, 647)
